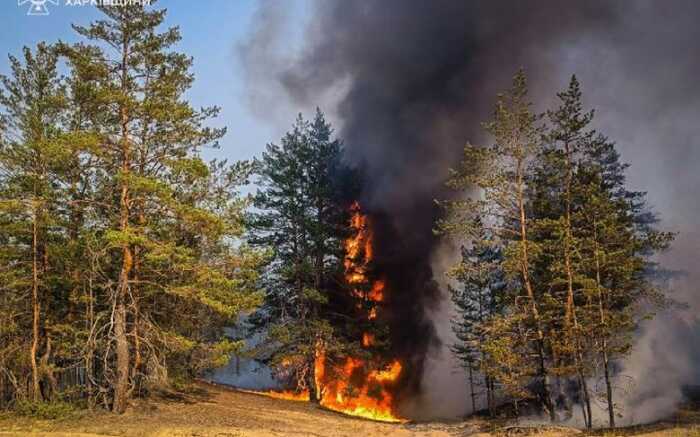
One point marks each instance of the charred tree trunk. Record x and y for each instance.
(314, 395)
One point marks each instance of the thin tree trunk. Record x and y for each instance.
(46, 370)
(587, 400)
(90, 352)
(314, 395)
(121, 387)
(524, 266)
(487, 380)
(571, 320)
(141, 217)
(487, 384)
(311, 383)
(36, 310)
(604, 348)
(137, 346)
(472, 394)
(608, 387)
(135, 333)
(490, 395)
(583, 410)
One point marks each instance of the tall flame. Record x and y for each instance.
(352, 387)
(358, 390)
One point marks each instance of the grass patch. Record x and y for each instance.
(45, 410)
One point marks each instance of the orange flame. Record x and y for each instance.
(289, 395)
(352, 387)
(357, 390)
(369, 398)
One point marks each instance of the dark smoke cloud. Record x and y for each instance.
(409, 81)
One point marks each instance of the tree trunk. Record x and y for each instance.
(586, 401)
(36, 310)
(48, 372)
(135, 304)
(121, 387)
(90, 347)
(135, 369)
(490, 396)
(472, 393)
(311, 382)
(604, 343)
(608, 387)
(571, 320)
(570, 315)
(524, 266)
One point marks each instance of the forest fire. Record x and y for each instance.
(354, 389)
(370, 399)
(353, 386)
(288, 395)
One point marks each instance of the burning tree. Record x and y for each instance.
(361, 384)
(326, 336)
(301, 218)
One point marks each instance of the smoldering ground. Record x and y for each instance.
(408, 83)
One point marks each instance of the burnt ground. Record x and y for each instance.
(208, 411)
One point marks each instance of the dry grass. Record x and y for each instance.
(212, 411)
(692, 431)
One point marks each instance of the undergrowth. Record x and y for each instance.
(45, 410)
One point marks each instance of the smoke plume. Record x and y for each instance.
(409, 81)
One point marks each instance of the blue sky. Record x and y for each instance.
(210, 29)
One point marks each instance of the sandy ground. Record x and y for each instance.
(213, 411)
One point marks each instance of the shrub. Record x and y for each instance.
(45, 410)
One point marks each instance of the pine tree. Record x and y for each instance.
(585, 215)
(567, 134)
(621, 238)
(125, 244)
(477, 298)
(577, 253)
(33, 100)
(500, 174)
(304, 218)
(168, 218)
